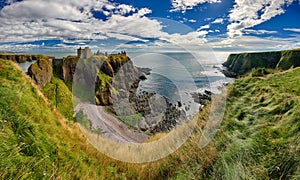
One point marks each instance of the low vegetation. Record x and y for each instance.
(60, 96)
(258, 138)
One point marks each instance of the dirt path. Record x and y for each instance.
(111, 127)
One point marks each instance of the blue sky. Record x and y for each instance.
(134, 25)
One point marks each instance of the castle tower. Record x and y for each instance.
(84, 53)
(79, 52)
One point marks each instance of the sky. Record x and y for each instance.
(61, 26)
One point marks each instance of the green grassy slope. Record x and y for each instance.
(60, 96)
(259, 138)
(38, 142)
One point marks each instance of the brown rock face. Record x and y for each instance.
(41, 72)
(69, 67)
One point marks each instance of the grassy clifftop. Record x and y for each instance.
(260, 134)
(258, 138)
(245, 62)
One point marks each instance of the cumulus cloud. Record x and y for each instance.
(246, 14)
(35, 19)
(74, 21)
(183, 5)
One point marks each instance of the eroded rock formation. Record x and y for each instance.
(41, 72)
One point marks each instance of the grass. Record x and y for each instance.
(60, 96)
(105, 80)
(37, 142)
(131, 120)
(258, 139)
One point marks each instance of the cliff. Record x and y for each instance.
(21, 58)
(69, 67)
(238, 64)
(115, 78)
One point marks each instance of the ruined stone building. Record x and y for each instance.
(84, 53)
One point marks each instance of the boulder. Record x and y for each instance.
(41, 72)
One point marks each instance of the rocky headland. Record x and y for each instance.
(239, 64)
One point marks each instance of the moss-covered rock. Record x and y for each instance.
(57, 65)
(116, 72)
(41, 72)
(289, 59)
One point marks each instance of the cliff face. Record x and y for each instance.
(115, 79)
(112, 78)
(41, 72)
(238, 64)
(289, 59)
(69, 67)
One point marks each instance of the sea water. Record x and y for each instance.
(25, 65)
(176, 75)
(181, 72)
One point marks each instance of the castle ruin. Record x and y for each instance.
(84, 53)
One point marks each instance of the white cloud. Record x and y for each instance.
(218, 21)
(207, 26)
(192, 20)
(297, 30)
(253, 43)
(183, 5)
(246, 14)
(125, 9)
(33, 20)
(258, 32)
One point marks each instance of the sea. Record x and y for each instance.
(177, 75)
(25, 65)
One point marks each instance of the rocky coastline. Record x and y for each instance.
(116, 87)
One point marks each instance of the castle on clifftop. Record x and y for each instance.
(84, 53)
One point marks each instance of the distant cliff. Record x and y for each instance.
(238, 64)
(21, 58)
